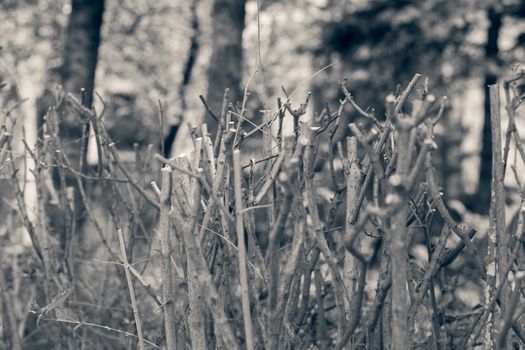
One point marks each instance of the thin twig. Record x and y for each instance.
(243, 275)
(131, 289)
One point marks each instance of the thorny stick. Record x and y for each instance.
(243, 275)
(497, 207)
(193, 251)
(351, 267)
(167, 282)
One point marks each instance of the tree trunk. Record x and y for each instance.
(81, 47)
(482, 202)
(77, 76)
(225, 69)
(168, 148)
(81, 54)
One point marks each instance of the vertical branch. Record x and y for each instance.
(350, 269)
(268, 151)
(497, 256)
(243, 275)
(321, 322)
(196, 317)
(167, 283)
(490, 263)
(217, 184)
(187, 227)
(288, 275)
(273, 261)
(134, 305)
(498, 191)
(311, 205)
(399, 248)
(281, 280)
(381, 303)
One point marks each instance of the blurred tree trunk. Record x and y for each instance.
(168, 148)
(81, 55)
(81, 46)
(226, 65)
(482, 202)
(77, 76)
(77, 72)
